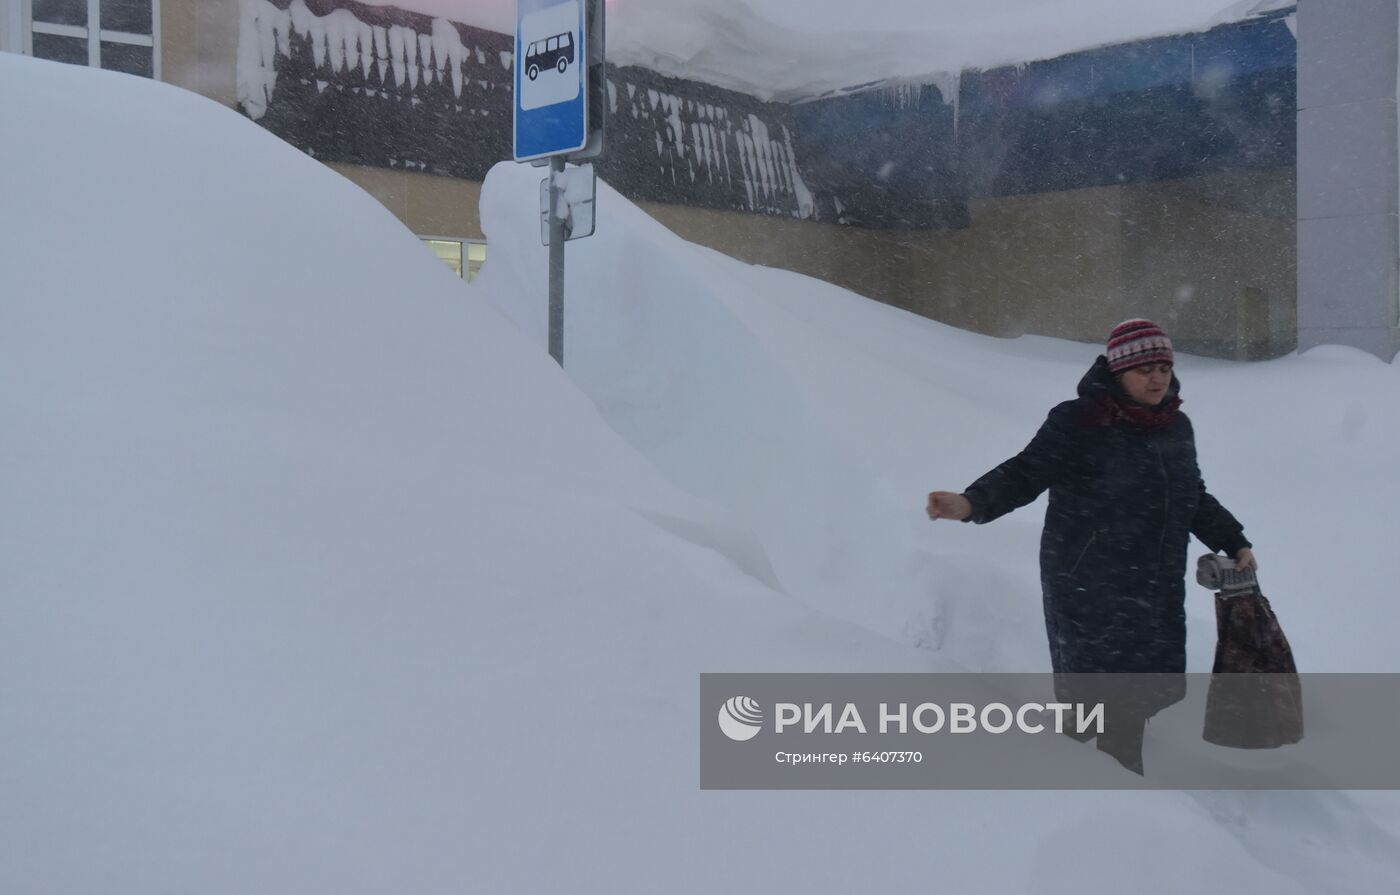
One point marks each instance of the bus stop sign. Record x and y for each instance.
(551, 78)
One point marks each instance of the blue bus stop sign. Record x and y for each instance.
(551, 78)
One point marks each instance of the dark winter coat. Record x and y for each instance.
(1124, 500)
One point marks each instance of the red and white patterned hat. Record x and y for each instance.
(1136, 342)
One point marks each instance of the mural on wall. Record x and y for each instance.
(377, 85)
(381, 86)
(694, 144)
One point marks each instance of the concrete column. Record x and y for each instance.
(1348, 174)
(11, 27)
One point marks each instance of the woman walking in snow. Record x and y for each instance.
(1119, 462)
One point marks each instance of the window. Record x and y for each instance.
(449, 252)
(121, 35)
(463, 256)
(553, 44)
(476, 256)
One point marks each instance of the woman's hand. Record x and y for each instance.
(1244, 559)
(948, 505)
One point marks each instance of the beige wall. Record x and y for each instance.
(1049, 264)
(199, 46)
(1211, 258)
(427, 204)
(872, 262)
(1218, 254)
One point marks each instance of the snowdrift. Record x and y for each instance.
(821, 420)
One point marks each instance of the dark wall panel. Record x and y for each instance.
(908, 156)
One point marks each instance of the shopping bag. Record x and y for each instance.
(1255, 700)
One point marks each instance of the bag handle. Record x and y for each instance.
(1218, 573)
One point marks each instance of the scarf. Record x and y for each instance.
(1124, 411)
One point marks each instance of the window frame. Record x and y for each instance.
(467, 275)
(465, 241)
(94, 34)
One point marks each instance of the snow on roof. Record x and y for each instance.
(784, 49)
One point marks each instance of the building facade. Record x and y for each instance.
(1165, 177)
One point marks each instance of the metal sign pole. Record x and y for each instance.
(556, 262)
(560, 112)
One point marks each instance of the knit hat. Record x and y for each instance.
(1136, 342)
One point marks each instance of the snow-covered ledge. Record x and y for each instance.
(1348, 175)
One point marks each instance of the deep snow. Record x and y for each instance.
(316, 574)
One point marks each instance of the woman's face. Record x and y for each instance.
(1147, 384)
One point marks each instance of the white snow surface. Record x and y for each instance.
(316, 574)
(789, 49)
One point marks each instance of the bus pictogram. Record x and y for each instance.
(555, 52)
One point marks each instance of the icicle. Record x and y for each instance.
(425, 57)
(308, 23)
(744, 164)
(396, 55)
(403, 43)
(381, 50)
(262, 30)
(364, 35)
(711, 156)
(432, 66)
(281, 29)
(780, 177)
(724, 155)
(759, 132)
(410, 57)
(677, 128)
(336, 34)
(950, 85)
(450, 52)
(806, 207)
(267, 46)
